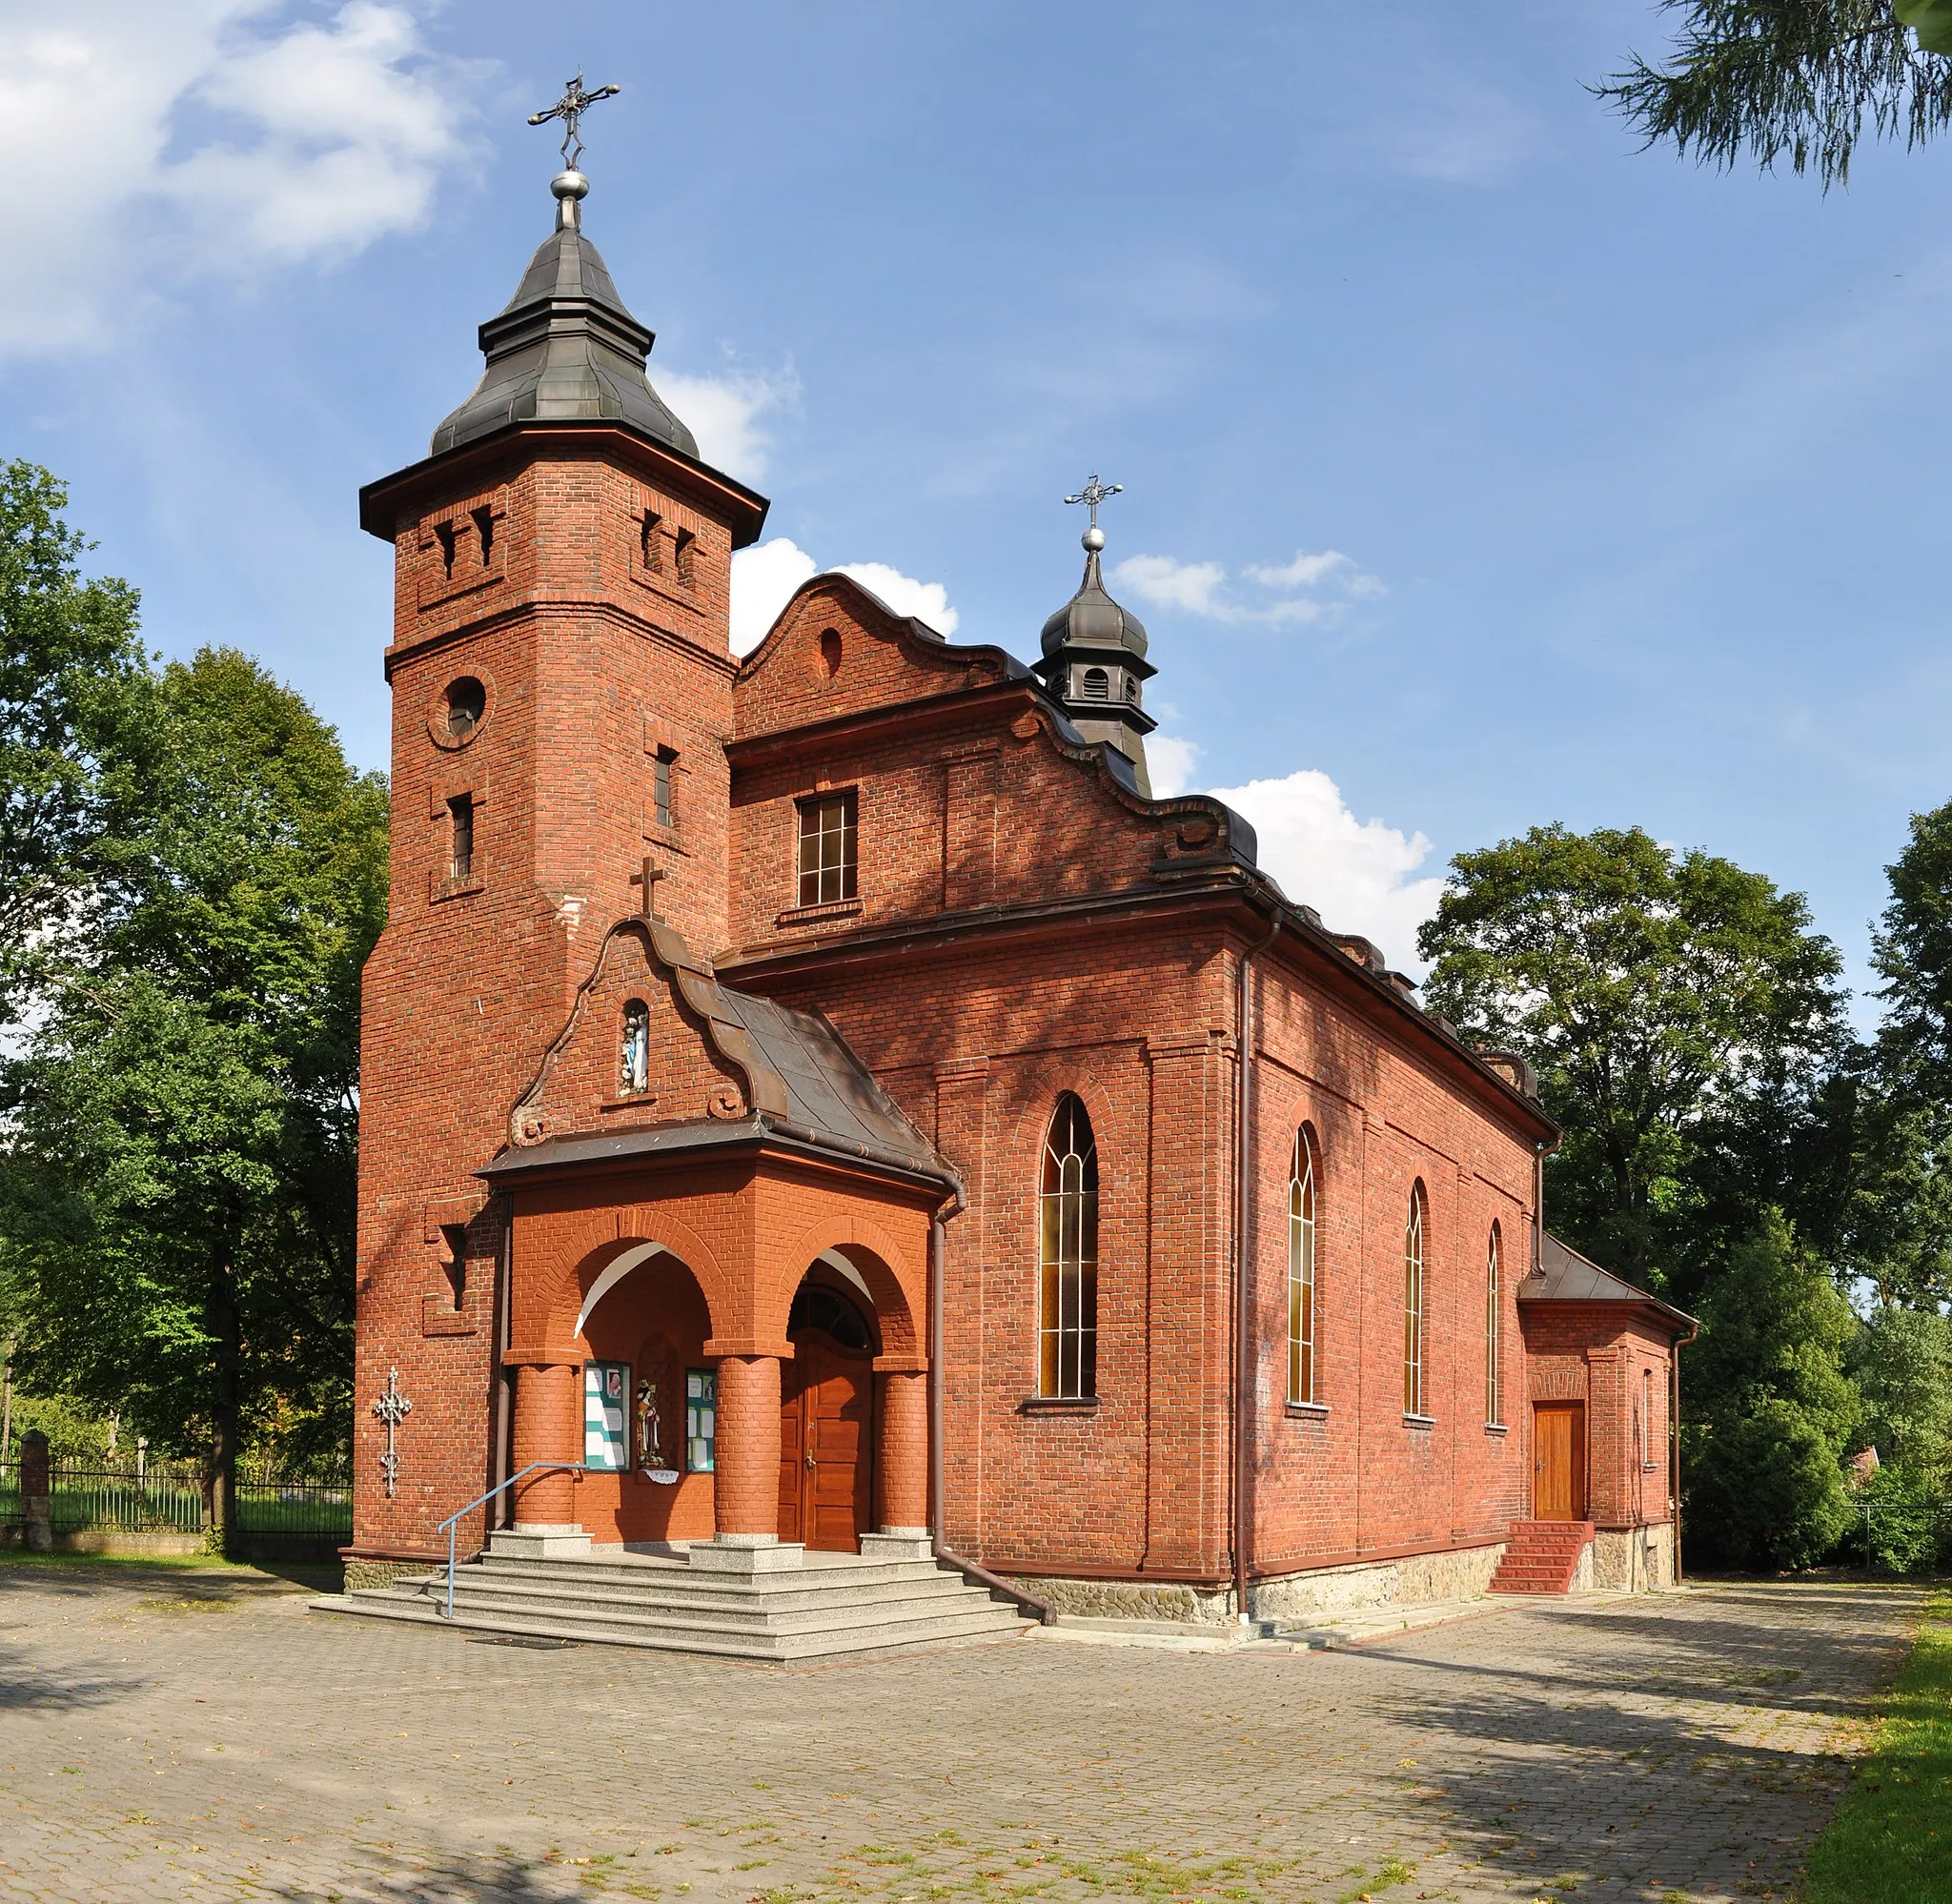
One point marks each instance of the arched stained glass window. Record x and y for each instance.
(1413, 1395)
(1067, 1253)
(1494, 1331)
(1302, 1318)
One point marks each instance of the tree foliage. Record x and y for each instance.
(73, 692)
(1801, 80)
(185, 1119)
(1682, 1014)
(1770, 1408)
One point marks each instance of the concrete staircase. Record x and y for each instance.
(821, 1605)
(1542, 1557)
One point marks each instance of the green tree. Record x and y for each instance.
(1803, 80)
(186, 1118)
(1682, 1014)
(1903, 1364)
(1769, 1408)
(74, 691)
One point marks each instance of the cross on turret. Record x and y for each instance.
(570, 109)
(1094, 493)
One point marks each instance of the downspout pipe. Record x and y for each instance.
(1674, 1448)
(1244, 1385)
(980, 1576)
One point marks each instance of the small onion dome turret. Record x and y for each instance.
(1090, 618)
(1094, 666)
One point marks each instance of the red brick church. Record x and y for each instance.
(822, 1103)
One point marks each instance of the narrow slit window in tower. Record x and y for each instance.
(460, 816)
(660, 785)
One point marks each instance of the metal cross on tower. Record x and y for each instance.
(570, 109)
(1094, 493)
(392, 1408)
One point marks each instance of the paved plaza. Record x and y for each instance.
(169, 1735)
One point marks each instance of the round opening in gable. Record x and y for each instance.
(830, 651)
(467, 701)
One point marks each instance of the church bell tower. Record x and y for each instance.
(561, 677)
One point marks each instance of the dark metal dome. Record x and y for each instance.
(565, 349)
(1090, 618)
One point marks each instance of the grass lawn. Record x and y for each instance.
(1891, 1839)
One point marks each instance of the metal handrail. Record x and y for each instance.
(570, 1466)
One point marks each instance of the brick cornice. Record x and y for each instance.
(385, 502)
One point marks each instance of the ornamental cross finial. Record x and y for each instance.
(392, 1408)
(1094, 493)
(570, 109)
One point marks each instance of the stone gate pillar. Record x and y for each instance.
(35, 1491)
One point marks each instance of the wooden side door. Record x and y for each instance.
(1559, 1461)
(793, 1447)
(840, 1422)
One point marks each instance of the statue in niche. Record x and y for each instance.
(650, 1427)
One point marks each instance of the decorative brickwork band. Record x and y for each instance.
(548, 1427)
(747, 1491)
(903, 1452)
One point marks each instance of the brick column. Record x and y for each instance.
(903, 1455)
(548, 1427)
(746, 1489)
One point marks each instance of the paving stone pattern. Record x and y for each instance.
(193, 1735)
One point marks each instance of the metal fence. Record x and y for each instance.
(167, 1498)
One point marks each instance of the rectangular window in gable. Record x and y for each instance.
(827, 848)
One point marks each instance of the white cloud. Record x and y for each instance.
(725, 413)
(763, 579)
(926, 601)
(1171, 762)
(149, 143)
(1200, 588)
(1159, 578)
(764, 576)
(1357, 874)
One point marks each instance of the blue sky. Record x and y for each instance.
(1480, 470)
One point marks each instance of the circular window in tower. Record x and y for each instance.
(467, 701)
(459, 711)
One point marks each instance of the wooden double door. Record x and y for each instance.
(826, 1444)
(1559, 1461)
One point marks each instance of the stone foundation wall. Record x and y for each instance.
(1131, 1599)
(1418, 1580)
(1637, 1560)
(1459, 1574)
(115, 1545)
(384, 1572)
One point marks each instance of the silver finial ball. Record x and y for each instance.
(570, 185)
(1094, 538)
